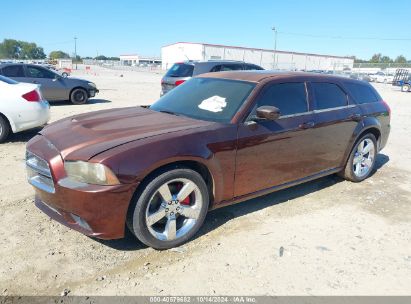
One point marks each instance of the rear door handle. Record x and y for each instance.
(355, 117)
(307, 125)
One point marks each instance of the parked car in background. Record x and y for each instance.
(182, 71)
(54, 87)
(219, 139)
(22, 107)
(360, 76)
(382, 77)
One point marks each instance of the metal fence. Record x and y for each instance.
(117, 65)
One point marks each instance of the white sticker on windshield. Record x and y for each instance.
(213, 104)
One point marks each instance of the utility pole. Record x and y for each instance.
(75, 50)
(275, 48)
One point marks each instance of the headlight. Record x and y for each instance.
(90, 173)
(92, 84)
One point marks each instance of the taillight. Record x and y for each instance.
(178, 82)
(32, 96)
(387, 106)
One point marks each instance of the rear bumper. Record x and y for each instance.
(98, 211)
(33, 116)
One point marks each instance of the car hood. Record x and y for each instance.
(83, 136)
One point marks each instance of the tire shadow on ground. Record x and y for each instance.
(219, 217)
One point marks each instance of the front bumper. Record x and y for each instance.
(98, 211)
(92, 92)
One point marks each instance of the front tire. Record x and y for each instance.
(405, 88)
(361, 162)
(170, 209)
(79, 96)
(4, 129)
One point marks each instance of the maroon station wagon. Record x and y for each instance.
(218, 139)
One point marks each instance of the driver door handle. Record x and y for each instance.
(307, 125)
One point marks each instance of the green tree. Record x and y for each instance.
(58, 55)
(386, 59)
(101, 57)
(30, 50)
(14, 49)
(400, 59)
(376, 58)
(9, 49)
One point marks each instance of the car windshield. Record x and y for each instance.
(180, 70)
(208, 99)
(7, 80)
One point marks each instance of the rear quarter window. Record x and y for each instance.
(180, 70)
(361, 93)
(328, 95)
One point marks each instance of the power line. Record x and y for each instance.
(345, 38)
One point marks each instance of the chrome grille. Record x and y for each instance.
(38, 173)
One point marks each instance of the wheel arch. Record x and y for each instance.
(78, 87)
(369, 125)
(193, 164)
(9, 121)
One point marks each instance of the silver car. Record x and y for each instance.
(54, 87)
(183, 71)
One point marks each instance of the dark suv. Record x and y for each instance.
(182, 71)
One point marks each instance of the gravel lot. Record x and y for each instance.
(327, 237)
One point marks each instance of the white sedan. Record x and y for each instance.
(22, 107)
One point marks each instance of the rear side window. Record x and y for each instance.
(252, 67)
(13, 71)
(361, 93)
(180, 70)
(226, 67)
(37, 72)
(290, 98)
(328, 95)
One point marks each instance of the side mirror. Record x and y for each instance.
(268, 113)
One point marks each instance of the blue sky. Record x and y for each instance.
(119, 27)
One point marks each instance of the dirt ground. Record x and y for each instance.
(327, 237)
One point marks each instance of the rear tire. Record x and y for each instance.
(78, 96)
(361, 162)
(4, 129)
(161, 216)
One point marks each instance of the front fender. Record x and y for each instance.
(214, 148)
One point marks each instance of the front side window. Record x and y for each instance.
(210, 99)
(289, 98)
(328, 95)
(13, 71)
(36, 72)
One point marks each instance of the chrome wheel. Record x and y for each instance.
(174, 209)
(364, 157)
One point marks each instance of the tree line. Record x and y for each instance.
(379, 58)
(17, 49)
